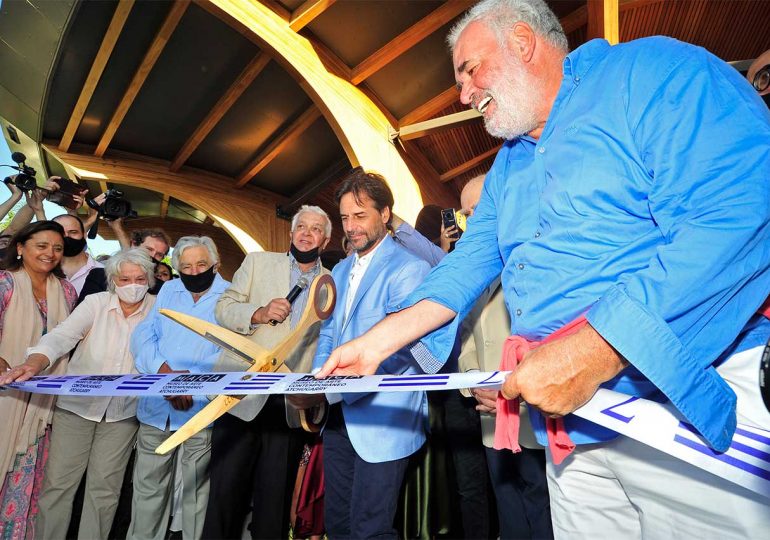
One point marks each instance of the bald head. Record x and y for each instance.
(471, 194)
(761, 61)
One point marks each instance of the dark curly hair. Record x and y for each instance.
(372, 184)
(11, 263)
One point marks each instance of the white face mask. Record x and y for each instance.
(131, 294)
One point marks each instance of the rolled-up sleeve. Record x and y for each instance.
(711, 201)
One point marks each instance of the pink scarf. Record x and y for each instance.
(507, 421)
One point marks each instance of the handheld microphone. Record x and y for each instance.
(292, 296)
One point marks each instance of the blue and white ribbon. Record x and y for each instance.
(746, 463)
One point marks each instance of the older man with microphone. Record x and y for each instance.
(256, 447)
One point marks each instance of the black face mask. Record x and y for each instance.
(199, 282)
(304, 257)
(155, 289)
(73, 246)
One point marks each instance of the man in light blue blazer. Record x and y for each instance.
(368, 438)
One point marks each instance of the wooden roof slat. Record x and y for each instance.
(409, 38)
(164, 206)
(178, 9)
(470, 164)
(449, 121)
(304, 14)
(431, 107)
(117, 22)
(579, 17)
(305, 120)
(228, 99)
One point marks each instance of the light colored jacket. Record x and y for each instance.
(261, 278)
(382, 426)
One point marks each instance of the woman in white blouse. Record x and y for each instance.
(98, 432)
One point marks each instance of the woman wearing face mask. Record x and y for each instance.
(96, 432)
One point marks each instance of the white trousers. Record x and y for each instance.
(624, 489)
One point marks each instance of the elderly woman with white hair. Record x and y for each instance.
(161, 345)
(93, 432)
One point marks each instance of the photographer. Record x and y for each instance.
(155, 241)
(34, 206)
(12, 200)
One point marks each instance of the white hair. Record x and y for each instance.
(315, 210)
(135, 255)
(193, 241)
(500, 16)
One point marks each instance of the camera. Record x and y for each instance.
(114, 206)
(25, 180)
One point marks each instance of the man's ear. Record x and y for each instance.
(522, 40)
(385, 214)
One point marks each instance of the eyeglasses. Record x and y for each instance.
(761, 80)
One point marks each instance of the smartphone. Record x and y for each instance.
(448, 219)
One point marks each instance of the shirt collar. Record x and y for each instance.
(366, 259)
(295, 265)
(580, 61)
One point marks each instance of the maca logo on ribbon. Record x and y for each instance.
(206, 377)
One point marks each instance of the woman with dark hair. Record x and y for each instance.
(163, 271)
(34, 297)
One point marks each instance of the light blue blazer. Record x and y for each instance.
(387, 425)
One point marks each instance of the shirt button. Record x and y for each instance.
(487, 343)
(518, 312)
(541, 150)
(521, 266)
(537, 234)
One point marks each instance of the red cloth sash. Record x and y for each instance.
(507, 421)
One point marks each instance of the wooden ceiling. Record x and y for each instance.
(174, 83)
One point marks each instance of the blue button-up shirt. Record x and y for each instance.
(645, 205)
(159, 339)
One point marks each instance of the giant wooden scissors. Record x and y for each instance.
(318, 308)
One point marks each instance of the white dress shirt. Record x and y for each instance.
(78, 279)
(104, 350)
(357, 271)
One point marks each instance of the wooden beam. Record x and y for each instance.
(468, 165)
(102, 184)
(164, 206)
(435, 125)
(332, 173)
(229, 98)
(372, 95)
(603, 20)
(278, 9)
(122, 11)
(360, 127)
(247, 214)
(431, 107)
(409, 38)
(208, 221)
(304, 14)
(178, 9)
(281, 141)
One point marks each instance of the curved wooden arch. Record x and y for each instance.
(248, 215)
(361, 128)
